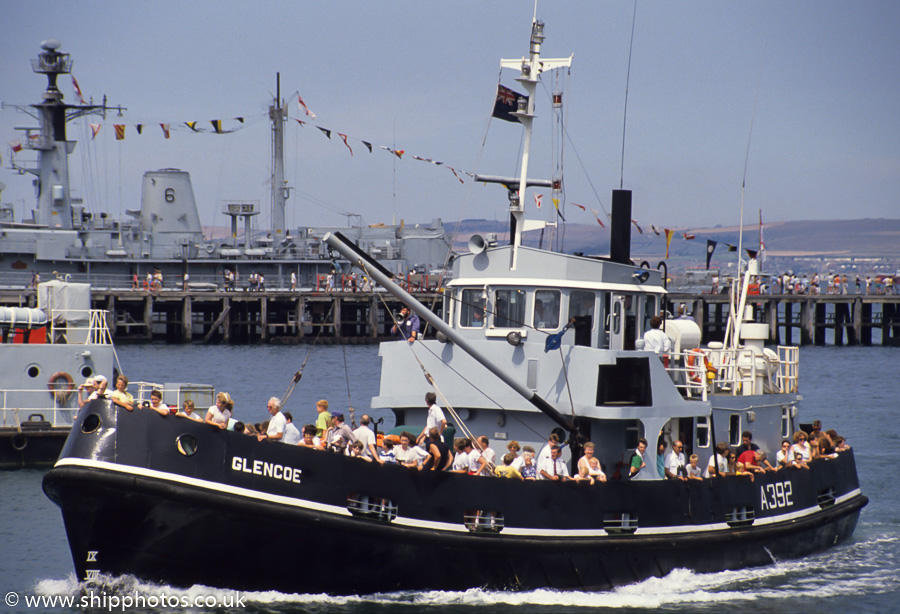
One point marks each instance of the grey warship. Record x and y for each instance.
(165, 235)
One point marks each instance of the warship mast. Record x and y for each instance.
(280, 189)
(54, 197)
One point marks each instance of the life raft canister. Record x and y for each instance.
(61, 387)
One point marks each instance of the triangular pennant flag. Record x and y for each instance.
(597, 215)
(344, 138)
(452, 170)
(368, 146)
(192, 126)
(639, 229)
(165, 129)
(325, 131)
(537, 200)
(301, 122)
(579, 206)
(751, 253)
(654, 229)
(710, 248)
(139, 128)
(302, 106)
(217, 125)
(398, 152)
(731, 248)
(240, 119)
(77, 90)
(95, 128)
(120, 131)
(669, 235)
(15, 145)
(688, 236)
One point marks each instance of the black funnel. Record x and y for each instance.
(620, 233)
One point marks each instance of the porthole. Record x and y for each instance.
(186, 444)
(33, 371)
(90, 423)
(86, 371)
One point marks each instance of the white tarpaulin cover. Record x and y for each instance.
(69, 306)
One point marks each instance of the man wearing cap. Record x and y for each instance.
(408, 325)
(100, 388)
(339, 435)
(87, 388)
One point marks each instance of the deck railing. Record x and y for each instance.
(743, 371)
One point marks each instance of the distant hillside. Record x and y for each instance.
(867, 238)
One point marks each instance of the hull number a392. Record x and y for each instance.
(777, 495)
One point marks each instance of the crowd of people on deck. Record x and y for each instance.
(746, 459)
(428, 450)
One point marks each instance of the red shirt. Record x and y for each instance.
(747, 457)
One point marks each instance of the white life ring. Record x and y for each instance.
(61, 386)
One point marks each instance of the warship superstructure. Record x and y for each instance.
(165, 234)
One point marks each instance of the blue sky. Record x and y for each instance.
(421, 76)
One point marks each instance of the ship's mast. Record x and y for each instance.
(280, 190)
(54, 199)
(531, 68)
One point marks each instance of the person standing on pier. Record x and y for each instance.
(407, 326)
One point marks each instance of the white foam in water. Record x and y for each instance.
(863, 567)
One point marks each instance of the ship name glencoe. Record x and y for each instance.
(270, 470)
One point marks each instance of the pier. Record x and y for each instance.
(283, 316)
(272, 316)
(798, 319)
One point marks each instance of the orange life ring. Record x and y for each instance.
(693, 362)
(61, 387)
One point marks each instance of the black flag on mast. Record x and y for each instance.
(506, 104)
(710, 248)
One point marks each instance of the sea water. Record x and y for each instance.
(853, 390)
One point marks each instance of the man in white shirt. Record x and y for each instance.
(435, 418)
(366, 437)
(291, 433)
(675, 462)
(277, 422)
(553, 468)
(656, 340)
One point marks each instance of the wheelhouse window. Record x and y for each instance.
(650, 309)
(509, 308)
(702, 432)
(734, 430)
(546, 309)
(581, 308)
(471, 308)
